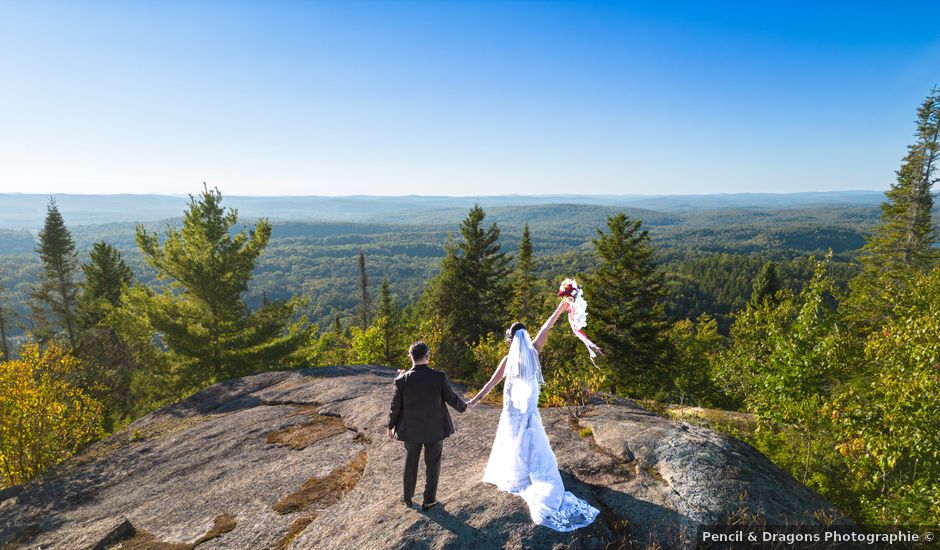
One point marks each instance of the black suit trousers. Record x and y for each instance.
(432, 462)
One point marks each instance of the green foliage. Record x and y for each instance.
(766, 284)
(888, 429)
(721, 284)
(318, 259)
(367, 346)
(390, 322)
(786, 360)
(4, 322)
(331, 348)
(904, 239)
(446, 353)
(487, 353)
(626, 310)
(108, 363)
(157, 379)
(523, 288)
(44, 417)
(785, 357)
(471, 293)
(201, 316)
(696, 343)
(106, 278)
(571, 380)
(53, 297)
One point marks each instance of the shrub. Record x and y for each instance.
(44, 417)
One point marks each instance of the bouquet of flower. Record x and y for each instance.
(577, 313)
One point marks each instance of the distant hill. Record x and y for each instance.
(711, 246)
(26, 211)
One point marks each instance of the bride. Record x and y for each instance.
(521, 461)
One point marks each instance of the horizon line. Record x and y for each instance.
(417, 195)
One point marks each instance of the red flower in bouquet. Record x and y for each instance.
(567, 291)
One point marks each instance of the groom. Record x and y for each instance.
(419, 418)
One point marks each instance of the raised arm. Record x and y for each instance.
(497, 376)
(539, 342)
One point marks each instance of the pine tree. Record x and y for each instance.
(106, 277)
(471, 293)
(524, 281)
(107, 361)
(626, 317)
(53, 298)
(201, 315)
(4, 344)
(902, 244)
(766, 284)
(472, 290)
(483, 271)
(388, 317)
(363, 292)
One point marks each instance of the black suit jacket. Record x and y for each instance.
(419, 408)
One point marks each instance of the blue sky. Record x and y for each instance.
(460, 98)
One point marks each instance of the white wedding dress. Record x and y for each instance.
(521, 461)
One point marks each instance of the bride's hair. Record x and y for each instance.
(511, 331)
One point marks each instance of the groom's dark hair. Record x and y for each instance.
(418, 351)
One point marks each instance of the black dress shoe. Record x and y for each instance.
(407, 503)
(428, 505)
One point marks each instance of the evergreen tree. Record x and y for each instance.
(903, 241)
(626, 311)
(201, 315)
(482, 270)
(106, 277)
(107, 361)
(388, 319)
(363, 292)
(471, 293)
(53, 298)
(4, 344)
(766, 284)
(439, 312)
(524, 281)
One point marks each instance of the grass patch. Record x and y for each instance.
(145, 540)
(585, 432)
(223, 523)
(295, 529)
(301, 436)
(737, 424)
(318, 493)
